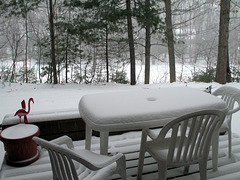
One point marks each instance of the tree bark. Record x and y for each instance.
(52, 36)
(107, 61)
(14, 58)
(229, 78)
(147, 43)
(222, 71)
(67, 44)
(39, 63)
(66, 59)
(131, 43)
(169, 34)
(26, 47)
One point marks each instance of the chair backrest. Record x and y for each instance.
(191, 136)
(64, 161)
(61, 159)
(230, 95)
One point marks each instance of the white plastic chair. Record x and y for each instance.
(182, 142)
(68, 164)
(231, 96)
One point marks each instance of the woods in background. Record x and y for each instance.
(98, 40)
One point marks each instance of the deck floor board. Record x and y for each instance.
(128, 144)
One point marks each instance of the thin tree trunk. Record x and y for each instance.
(39, 63)
(169, 34)
(107, 60)
(52, 36)
(147, 44)
(14, 48)
(67, 44)
(14, 65)
(147, 55)
(80, 63)
(66, 59)
(222, 61)
(94, 63)
(14, 57)
(26, 48)
(131, 43)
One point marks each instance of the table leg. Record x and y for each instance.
(104, 142)
(215, 144)
(88, 137)
(141, 154)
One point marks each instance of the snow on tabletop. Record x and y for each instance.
(19, 131)
(144, 106)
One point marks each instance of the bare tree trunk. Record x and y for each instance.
(39, 63)
(66, 59)
(66, 52)
(131, 43)
(147, 44)
(52, 36)
(14, 57)
(14, 48)
(222, 61)
(26, 48)
(229, 78)
(94, 64)
(169, 34)
(80, 62)
(39, 47)
(107, 60)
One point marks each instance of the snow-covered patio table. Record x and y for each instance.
(143, 108)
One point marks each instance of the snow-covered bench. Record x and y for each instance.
(52, 124)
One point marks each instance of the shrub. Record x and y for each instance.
(235, 74)
(205, 76)
(120, 77)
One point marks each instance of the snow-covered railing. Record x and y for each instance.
(52, 124)
(42, 116)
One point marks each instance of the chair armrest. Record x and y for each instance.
(63, 140)
(233, 110)
(152, 133)
(95, 161)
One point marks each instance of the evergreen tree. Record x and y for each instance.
(148, 17)
(98, 23)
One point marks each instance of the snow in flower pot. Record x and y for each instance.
(20, 149)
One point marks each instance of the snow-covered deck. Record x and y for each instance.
(128, 143)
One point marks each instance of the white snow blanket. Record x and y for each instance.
(42, 116)
(136, 109)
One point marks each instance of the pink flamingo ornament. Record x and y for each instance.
(23, 112)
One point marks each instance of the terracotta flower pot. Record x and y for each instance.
(20, 149)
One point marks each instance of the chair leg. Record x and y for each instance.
(141, 155)
(162, 170)
(203, 170)
(229, 143)
(186, 169)
(121, 165)
(215, 145)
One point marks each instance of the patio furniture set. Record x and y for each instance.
(191, 121)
